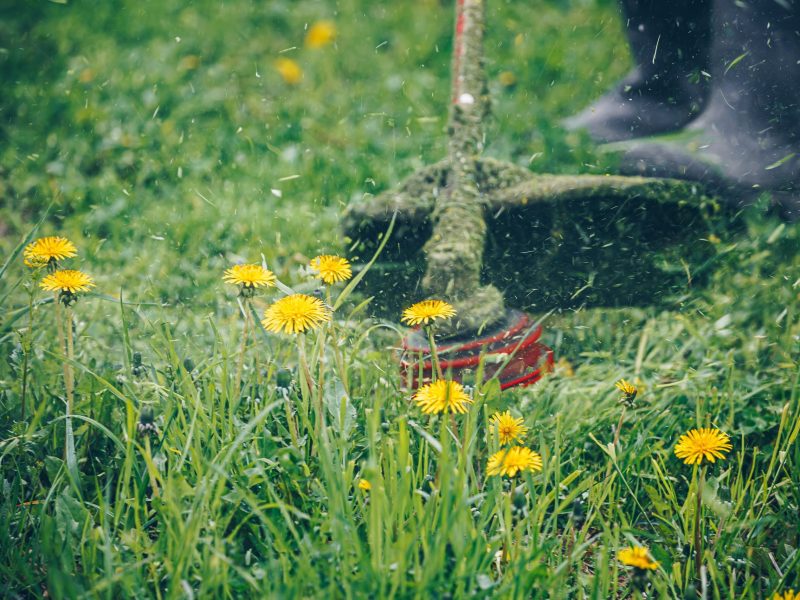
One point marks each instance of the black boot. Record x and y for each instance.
(748, 139)
(669, 42)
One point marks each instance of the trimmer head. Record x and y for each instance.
(511, 350)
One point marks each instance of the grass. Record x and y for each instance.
(159, 137)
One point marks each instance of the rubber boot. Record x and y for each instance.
(747, 141)
(670, 42)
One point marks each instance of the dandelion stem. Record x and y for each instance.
(27, 344)
(62, 344)
(698, 538)
(64, 320)
(320, 389)
(152, 473)
(242, 348)
(338, 356)
(437, 368)
(619, 426)
(70, 356)
(293, 432)
(306, 384)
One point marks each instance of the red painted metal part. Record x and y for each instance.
(515, 334)
(458, 50)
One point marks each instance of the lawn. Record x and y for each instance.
(170, 140)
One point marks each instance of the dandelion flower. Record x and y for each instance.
(509, 429)
(787, 595)
(289, 70)
(513, 460)
(565, 367)
(295, 314)
(626, 387)
(331, 268)
(427, 311)
(698, 444)
(320, 34)
(507, 79)
(628, 390)
(364, 485)
(67, 281)
(637, 557)
(442, 396)
(44, 250)
(249, 276)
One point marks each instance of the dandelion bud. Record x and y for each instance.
(146, 425)
(283, 379)
(137, 368)
(629, 392)
(578, 512)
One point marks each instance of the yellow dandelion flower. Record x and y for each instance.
(295, 314)
(698, 444)
(442, 396)
(565, 367)
(44, 250)
(787, 595)
(289, 70)
(509, 429)
(514, 460)
(320, 34)
(189, 62)
(507, 79)
(331, 268)
(364, 485)
(67, 281)
(637, 557)
(626, 387)
(628, 390)
(427, 311)
(249, 276)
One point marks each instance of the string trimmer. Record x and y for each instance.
(470, 226)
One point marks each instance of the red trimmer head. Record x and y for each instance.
(515, 334)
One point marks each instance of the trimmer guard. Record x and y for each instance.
(553, 241)
(511, 351)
